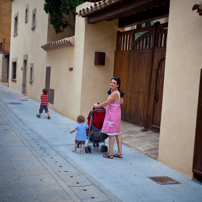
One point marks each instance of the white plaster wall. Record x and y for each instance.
(62, 81)
(79, 88)
(95, 80)
(29, 42)
(181, 86)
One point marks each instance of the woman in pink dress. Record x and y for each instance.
(112, 121)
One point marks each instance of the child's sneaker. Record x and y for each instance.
(48, 117)
(38, 116)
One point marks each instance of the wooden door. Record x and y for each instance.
(122, 64)
(139, 65)
(197, 164)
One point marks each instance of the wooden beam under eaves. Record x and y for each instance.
(122, 9)
(145, 16)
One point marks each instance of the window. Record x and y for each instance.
(33, 19)
(26, 13)
(14, 68)
(31, 73)
(15, 24)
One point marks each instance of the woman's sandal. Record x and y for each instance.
(118, 155)
(108, 156)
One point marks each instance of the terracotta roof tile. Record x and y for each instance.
(97, 6)
(198, 7)
(59, 44)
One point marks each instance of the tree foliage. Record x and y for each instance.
(60, 12)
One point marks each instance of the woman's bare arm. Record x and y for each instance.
(113, 97)
(121, 101)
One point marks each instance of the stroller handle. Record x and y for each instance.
(97, 103)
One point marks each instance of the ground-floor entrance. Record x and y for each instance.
(140, 64)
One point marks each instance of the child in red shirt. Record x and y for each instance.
(44, 103)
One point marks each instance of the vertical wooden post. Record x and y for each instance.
(118, 41)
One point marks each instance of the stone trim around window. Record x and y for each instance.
(14, 69)
(16, 24)
(25, 57)
(31, 73)
(26, 13)
(33, 25)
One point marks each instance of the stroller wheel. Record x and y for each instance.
(97, 144)
(86, 149)
(89, 149)
(102, 148)
(106, 148)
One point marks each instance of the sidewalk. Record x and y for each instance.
(129, 179)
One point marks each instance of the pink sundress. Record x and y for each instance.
(112, 121)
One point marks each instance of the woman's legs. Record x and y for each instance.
(119, 144)
(111, 146)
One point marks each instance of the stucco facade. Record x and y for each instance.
(181, 87)
(78, 83)
(100, 37)
(27, 41)
(79, 88)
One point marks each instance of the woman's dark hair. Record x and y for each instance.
(119, 83)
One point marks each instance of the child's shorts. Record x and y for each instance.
(79, 142)
(43, 107)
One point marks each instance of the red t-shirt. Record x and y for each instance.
(44, 99)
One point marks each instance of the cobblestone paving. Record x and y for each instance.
(145, 142)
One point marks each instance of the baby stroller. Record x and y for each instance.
(94, 134)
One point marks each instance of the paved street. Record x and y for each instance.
(37, 163)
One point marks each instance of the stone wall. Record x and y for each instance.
(3, 67)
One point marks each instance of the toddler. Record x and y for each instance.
(44, 103)
(81, 136)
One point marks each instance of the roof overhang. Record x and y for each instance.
(198, 7)
(59, 44)
(128, 12)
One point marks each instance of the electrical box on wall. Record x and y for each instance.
(99, 58)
